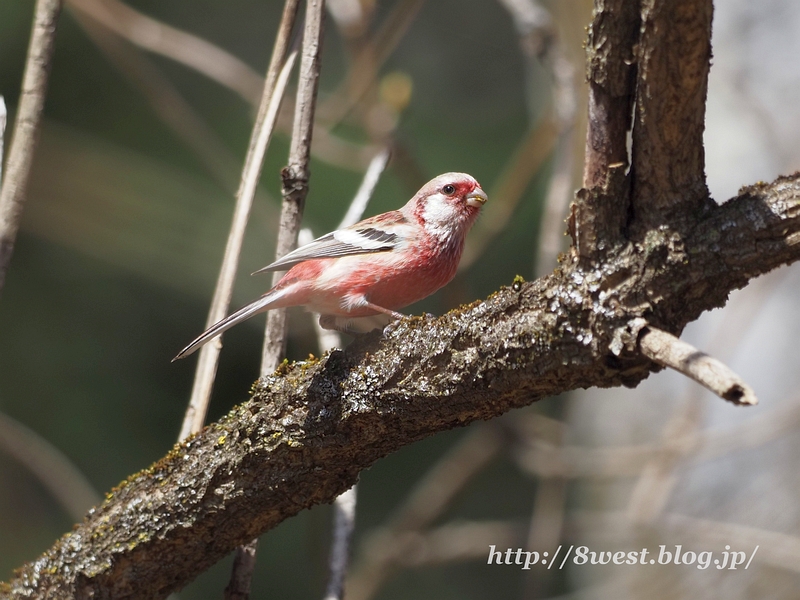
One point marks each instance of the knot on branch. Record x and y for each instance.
(294, 181)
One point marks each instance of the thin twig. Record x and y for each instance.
(244, 563)
(365, 190)
(669, 351)
(3, 117)
(181, 46)
(62, 478)
(344, 522)
(277, 77)
(296, 173)
(291, 215)
(26, 127)
(244, 560)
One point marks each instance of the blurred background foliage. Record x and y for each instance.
(123, 233)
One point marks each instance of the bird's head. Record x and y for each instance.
(448, 204)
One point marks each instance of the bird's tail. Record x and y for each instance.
(264, 303)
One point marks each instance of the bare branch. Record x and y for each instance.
(277, 76)
(207, 363)
(600, 208)
(547, 460)
(668, 157)
(344, 522)
(296, 173)
(344, 507)
(3, 117)
(364, 193)
(291, 214)
(26, 127)
(669, 351)
(244, 563)
(362, 75)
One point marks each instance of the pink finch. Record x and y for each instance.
(376, 266)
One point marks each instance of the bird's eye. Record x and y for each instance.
(449, 189)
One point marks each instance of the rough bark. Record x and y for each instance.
(600, 210)
(312, 427)
(674, 57)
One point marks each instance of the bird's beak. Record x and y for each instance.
(477, 198)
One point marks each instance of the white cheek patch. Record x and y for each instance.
(439, 215)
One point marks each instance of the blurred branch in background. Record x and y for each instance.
(26, 127)
(204, 57)
(183, 47)
(3, 117)
(552, 120)
(277, 77)
(57, 473)
(167, 102)
(380, 550)
(544, 460)
(344, 507)
(659, 476)
(363, 73)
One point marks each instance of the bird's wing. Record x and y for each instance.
(381, 233)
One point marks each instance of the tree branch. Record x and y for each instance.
(600, 210)
(674, 58)
(668, 351)
(26, 127)
(312, 427)
(295, 174)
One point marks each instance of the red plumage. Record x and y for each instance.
(376, 266)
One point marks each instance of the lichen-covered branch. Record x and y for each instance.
(312, 427)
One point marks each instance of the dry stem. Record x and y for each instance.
(277, 77)
(26, 127)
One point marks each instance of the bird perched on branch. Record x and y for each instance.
(376, 266)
